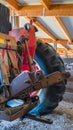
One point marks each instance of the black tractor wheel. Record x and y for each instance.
(49, 61)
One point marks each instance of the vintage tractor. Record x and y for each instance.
(32, 74)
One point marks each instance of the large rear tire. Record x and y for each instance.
(49, 61)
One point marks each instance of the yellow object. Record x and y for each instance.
(1, 41)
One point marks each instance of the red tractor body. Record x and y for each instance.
(19, 34)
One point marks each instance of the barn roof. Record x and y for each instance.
(54, 18)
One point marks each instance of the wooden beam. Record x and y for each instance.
(48, 40)
(30, 10)
(62, 7)
(46, 3)
(63, 50)
(31, 7)
(65, 45)
(16, 21)
(63, 28)
(54, 10)
(7, 37)
(61, 10)
(41, 26)
(58, 41)
(13, 3)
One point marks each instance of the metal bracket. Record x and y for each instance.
(39, 118)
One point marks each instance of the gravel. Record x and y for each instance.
(62, 120)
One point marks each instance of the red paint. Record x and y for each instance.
(18, 33)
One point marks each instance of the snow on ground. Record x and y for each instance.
(62, 120)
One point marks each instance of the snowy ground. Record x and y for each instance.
(62, 120)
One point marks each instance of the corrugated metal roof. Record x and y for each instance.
(52, 26)
(29, 2)
(68, 22)
(34, 2)
(61, 1)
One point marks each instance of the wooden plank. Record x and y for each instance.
(63, 27)
(66, 7)
(63, 42)
(31, 7)
(46, 3)
(13, 3)
(54, 10)
(48, 40)
(58, 41)
(16, 21)
(7, 37)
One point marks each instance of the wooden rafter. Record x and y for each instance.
(46, 3)
(62, 50)
(64, 41)
(13, 4)
(37, 10)
(30, 10)
(31, 7)
(51, 39)
(59, 41)
(65, 45)
(63, 28)
(54, 10)
(37, 23)
(48, 40)
(67, 7)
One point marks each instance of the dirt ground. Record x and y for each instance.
(62, 118)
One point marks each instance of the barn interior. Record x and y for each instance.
(54, 22)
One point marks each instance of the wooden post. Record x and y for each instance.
(55, 46)
(16, 21)
(13, 20)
